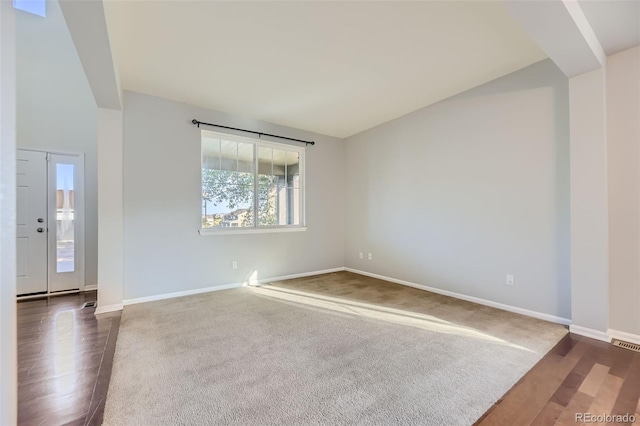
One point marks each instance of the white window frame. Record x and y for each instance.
(257, 229)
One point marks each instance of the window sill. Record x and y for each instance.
(265, 230)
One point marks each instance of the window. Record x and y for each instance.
(36, 7)
(65, 233)
(251, 184)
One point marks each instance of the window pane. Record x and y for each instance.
(227, 184)
(229, 155)
(210, 153)
(65, 235)
(278, 187)
(293, 188)
(36, 7)
(265, 160)
(245, 157)
(266, 188)
(280, 197)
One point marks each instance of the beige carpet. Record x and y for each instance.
(336, 349)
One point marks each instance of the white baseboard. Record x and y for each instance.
(90, 287)
(164, 296)
(590, 332)
(534, 314)
(136, 300)
(623, 335)
(108, 308)
(304, 274)
(45, 295)
(521, 311)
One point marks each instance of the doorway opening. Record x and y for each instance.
(50, 223)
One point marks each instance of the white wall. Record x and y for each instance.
(459, 194)
(589, 204)
(8, 341)
(623, 139)
(163, 251)
(56, 108)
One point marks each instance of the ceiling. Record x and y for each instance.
(616, 23)
(335, 68)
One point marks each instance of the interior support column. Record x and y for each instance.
(110, 210)
(589, 205)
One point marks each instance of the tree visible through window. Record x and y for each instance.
(241, 176)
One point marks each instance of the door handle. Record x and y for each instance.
(40, 229)
(40, 220)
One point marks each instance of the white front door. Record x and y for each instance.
(50, 226)
(31, 222)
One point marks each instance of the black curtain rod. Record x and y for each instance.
(198, 123)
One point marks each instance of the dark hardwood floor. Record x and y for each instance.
(579, 375)
(65, 355)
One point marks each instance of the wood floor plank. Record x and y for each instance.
(548, 415)
(564, 346)
(587, 362)
(594, 379)
(578, 404)
(606, 397)
(622, 361)
(567, 389)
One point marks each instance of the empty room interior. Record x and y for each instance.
(319, 212)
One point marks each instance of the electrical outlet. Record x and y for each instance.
(511, 280)
(360, 254)
(370, 256)
(235, 264)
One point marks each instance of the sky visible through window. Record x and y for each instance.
(64, 176)
(213, 208)
(35, 7)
